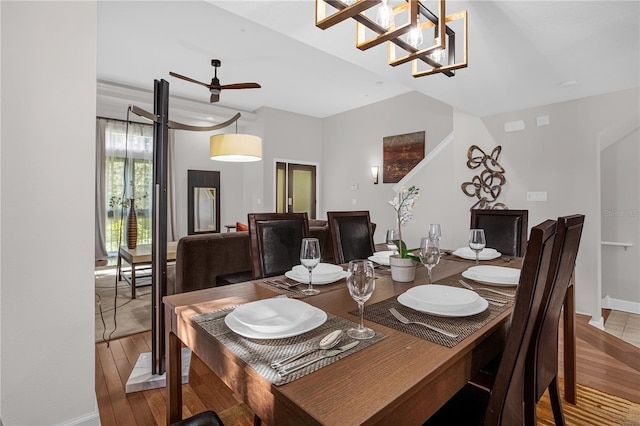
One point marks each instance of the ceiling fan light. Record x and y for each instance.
(214, 91)
(235, 147)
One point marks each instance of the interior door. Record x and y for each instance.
(296, 188)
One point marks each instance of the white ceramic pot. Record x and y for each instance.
(402, 269)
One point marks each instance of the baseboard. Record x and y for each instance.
(597, 323)
(621, 305)
(89, 419)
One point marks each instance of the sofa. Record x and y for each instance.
(210, 260)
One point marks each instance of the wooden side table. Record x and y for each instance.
(141, 255)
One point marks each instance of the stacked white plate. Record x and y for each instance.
(444, 301)
(274, 318)
(485, 254)
(381, 257)
(323, 273)
(493, 275)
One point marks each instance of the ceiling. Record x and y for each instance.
(521, 54)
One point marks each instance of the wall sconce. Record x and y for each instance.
(374, 174)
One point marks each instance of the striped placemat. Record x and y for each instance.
(260, 353)
(295, 290)
(462, 326)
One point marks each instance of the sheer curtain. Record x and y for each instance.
(124, 171)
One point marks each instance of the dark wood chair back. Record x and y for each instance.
(506, 402)
(542, 364)
(504, 230)
(276, 239)
(351, 234)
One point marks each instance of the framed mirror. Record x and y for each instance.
(203, 201)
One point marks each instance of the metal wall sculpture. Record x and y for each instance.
(487, 185)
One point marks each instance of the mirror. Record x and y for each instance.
(203, 202)
(204, 210)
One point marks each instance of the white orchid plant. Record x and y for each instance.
(403, 205)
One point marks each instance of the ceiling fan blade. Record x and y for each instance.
(241, 86)
(173, 74)
(214, 98)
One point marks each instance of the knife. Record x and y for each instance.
(329, 354)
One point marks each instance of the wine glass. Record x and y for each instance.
(429, 253)
(434, 231)
(361, 283)
(477, 242)
(392, 236)
(310, 257)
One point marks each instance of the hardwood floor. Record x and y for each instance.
(604, 362)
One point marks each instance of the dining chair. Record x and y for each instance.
(351, 234)
(504, 230)
(542, 361)
(276, 239)
(504, 403)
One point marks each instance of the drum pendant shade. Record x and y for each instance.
(235, 147)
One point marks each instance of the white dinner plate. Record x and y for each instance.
(443, 298)
(325, 270)
(273, 315)
(381, 257)
(316, 320)
(493, 275)
(475, 308)
(316, 280)
(485, 254)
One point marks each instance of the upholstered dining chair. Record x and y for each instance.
(351, 234)
(276, 239)
(504, 230)
(542, 362)
(504, 403)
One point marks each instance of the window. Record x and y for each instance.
(128, 174)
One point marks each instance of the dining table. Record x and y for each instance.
(400, 377)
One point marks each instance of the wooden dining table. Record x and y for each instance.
(401, 378)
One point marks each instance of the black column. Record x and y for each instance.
(159, 224)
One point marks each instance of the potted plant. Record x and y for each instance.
(403, 264)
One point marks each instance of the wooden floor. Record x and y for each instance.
(604, 362)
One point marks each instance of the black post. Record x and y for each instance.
(159, 224)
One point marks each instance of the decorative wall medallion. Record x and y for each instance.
(487, 185)
(401, 153)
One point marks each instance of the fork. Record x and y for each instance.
(404, 320)
(465, 284)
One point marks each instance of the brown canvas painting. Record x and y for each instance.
(401, 153)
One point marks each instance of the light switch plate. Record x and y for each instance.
(537, 196)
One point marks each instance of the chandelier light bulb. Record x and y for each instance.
(415, 38)
(383, 17)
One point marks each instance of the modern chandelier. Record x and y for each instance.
(407, 27)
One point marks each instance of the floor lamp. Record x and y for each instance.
(149, 371)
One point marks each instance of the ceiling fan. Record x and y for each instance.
(215, 87)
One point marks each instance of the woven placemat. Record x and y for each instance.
(294, 291)
(259, 354)
(462, 326)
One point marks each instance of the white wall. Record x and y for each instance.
(48, 162)
(563, 159)
(287, 136)
(353, 143)
(620, 178)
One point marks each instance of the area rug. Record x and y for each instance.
(593, 408)
(116, 314)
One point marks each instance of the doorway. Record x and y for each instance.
(296, 188)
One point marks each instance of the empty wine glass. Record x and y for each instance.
(310, 257)
(434, 231)
(392, 236)
(477, 242)
(361, 283)
(429, 254)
